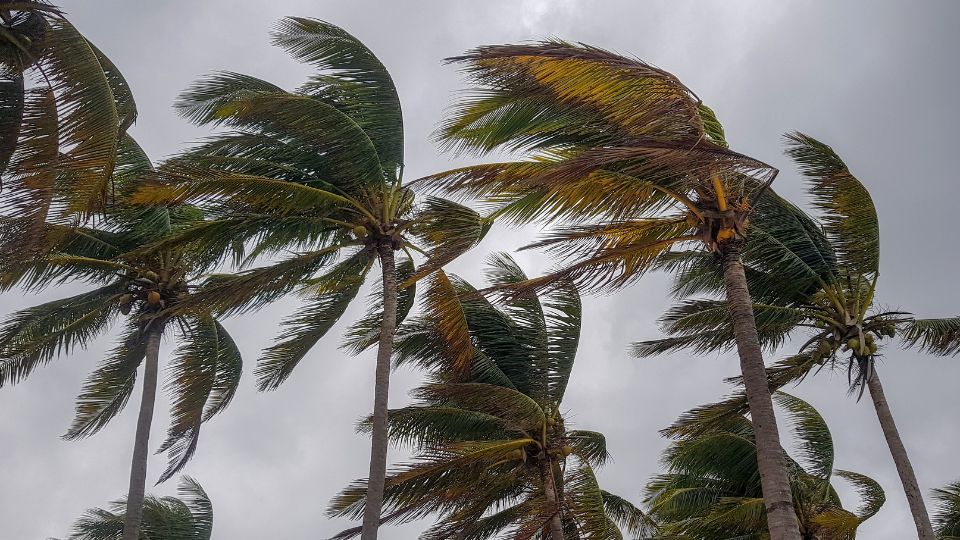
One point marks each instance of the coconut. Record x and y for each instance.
(152, 276)
(153, 298)
(824, 347)
(359, 231)
(126, 301)
(726, 234)
(872, 348)
(853, 343)
(566, 451)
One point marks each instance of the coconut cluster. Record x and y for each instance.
(153, 291)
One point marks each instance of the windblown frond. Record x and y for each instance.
(850, 219)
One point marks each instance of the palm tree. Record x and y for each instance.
(187, 517)
(712, 490)
(635, 164)
(317, 171)
(494, 452)
(822, 283)
(947, 518)
(64, 109)
(116, 254)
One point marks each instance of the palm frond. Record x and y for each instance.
(33, 336)
(107, 389)
(447, 230)
(816, 443)
(850, 219)
(871, 493)
(333, 293)
(364, 333)
(515, 409)
(937, 336)
(947, 516)
(352, 79)
(203, 379)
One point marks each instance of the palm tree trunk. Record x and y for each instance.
(781, 517)
(900, 458)
(378, 448)
(141, 446)
(550, 491)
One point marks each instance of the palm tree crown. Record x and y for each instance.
(64, 109)
(493, 450)
(189, 516)
(712, 487)
(319, 172)
(634, 165)
(816, 278)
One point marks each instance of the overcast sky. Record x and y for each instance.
(877, 80)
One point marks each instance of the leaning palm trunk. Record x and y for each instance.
(777, 498)
(900, 458)
(550, 491)
(378, 446)
(138, 467)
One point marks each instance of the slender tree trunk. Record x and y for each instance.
(899, 452)
(550, 490)
(781, 516)
(378, 447)
(141, 446)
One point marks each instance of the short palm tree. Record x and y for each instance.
(635, 165)
(64, 108)
(318, 172)
(115, 254)
(493, 453)
(189, 516)
(819, 282)
(947, 517)
(712, 488)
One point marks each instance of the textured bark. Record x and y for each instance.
(781, 517)
(900, 458)
(378, 445)
(141, 446)
(550, 490)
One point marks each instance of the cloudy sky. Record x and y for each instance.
(877, 80)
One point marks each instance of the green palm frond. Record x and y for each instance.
(937, 336)
(631, 519)
(518, 411)
(33, 336)
(186, 517)
(586, 502)
(88, 120)
(947, 516)
(333, 293)
(107, 389)
(816, 443)
(705, 326)
(850, 219)
(589, 446)
(11, 103)
(447, 230)
(870, 492)
(425, 427)
(352, 79)
(203, 379)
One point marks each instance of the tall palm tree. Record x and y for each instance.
(947, 517)
(635, 164)
(821, 283)
(317, 171)
(711, 490)
(144, 284)
(493, 450)
(64, 109)
(186, 517)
